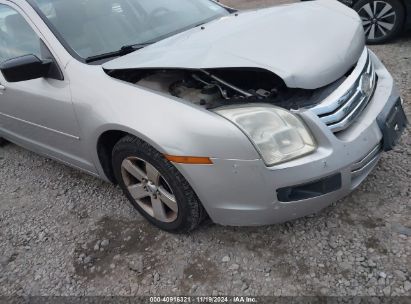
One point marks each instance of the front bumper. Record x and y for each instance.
(245, 192)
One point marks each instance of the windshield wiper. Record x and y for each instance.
(124, 50)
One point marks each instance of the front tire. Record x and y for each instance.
(382, 19)
(155, 187)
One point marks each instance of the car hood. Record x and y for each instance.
(308, 45)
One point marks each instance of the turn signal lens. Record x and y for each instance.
(189, 160)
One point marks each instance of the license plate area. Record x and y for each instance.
(392, 124)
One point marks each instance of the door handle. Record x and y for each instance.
(2, 87)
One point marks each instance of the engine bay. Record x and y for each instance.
(213, 88)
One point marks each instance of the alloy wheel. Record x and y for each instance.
(149, 189)
(378, 18)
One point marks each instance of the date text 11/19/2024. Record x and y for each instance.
(204, 299)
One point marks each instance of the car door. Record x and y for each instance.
(37, 114)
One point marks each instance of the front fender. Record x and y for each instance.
(171, 126)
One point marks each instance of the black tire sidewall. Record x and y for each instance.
(185, 196)
(399, 9)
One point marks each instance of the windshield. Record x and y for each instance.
(95, 27)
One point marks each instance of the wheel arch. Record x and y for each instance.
(107, 139)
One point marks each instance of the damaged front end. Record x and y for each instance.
(232, 61)
(213, 88)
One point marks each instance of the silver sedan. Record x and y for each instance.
(195, 109)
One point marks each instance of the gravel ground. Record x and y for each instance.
(65, 233)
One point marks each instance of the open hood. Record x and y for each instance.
(309, 44)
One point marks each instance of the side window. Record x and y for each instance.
(17, 38)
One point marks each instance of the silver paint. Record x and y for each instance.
(238, 189)
(278, 39)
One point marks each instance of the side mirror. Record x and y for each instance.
(24, 68)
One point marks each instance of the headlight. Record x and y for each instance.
(278, 135)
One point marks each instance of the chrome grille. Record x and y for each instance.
(340, 113)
